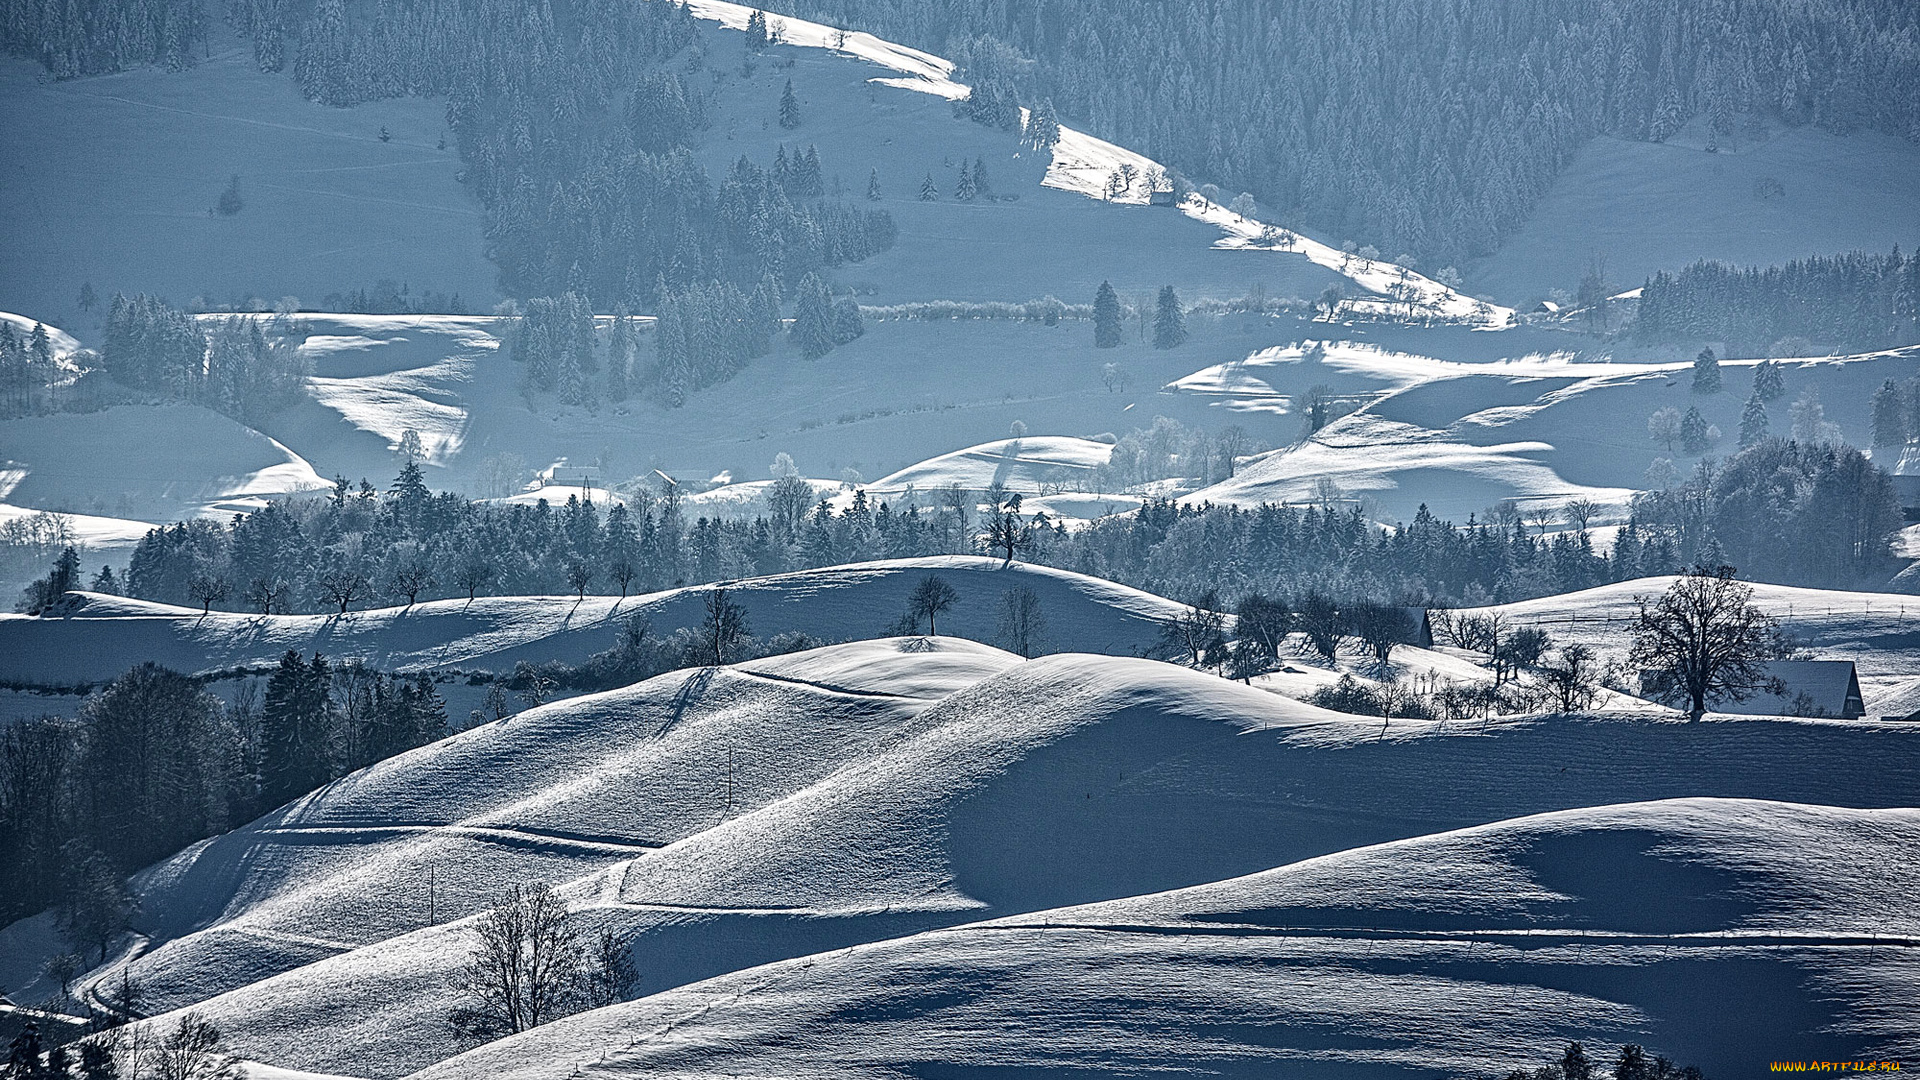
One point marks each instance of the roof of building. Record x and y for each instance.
(1808, 688)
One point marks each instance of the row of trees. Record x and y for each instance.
(154, 762)
(1815, 514)
(1852, 302)
(27, 368)
(241, 367)
(1803, 513)
(1355, 121)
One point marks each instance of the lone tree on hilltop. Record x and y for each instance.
(1106, 317)
(1704, 638)
(929, 598)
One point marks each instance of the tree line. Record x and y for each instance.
(242, 366)
(1853, 302)
(27, 369)
(1817, 514)
(154, 762)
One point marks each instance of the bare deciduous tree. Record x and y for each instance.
(343, 585)
(1705, 639)
(928, 599)
(1572, 677)
(194, 1050)
(1198, 629)
(1021, 622)
(724, 628)
(525, 968)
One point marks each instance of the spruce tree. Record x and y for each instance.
(928, 192)
(295, 730)
(964, 192)
(1889, 415)
(981, 185)
(1754, 425)
(1106, 317)
(1693, 431)
(1169, 321)
(873, 185)
(813, 318)
(1767, 381)
(789, 108)
(1706, 372)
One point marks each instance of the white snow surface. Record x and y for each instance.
(105, 635)
(1001, 787)
(1879, 632)
(1459, 954)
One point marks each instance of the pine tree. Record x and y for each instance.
(789, 108)
(964, 192)
(1693, 431)
(295, 729)
(873, 185)
(1169, 321)
(1754, 425)
(1889, 415)
(88, 298)
(928, 192)
(410, 487)
(1706, 372)
(813, 318)
(1767, 381)
(1106, 317)
(40, 346)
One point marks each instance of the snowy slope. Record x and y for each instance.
(1065, 780)
(1541, 430)
(160, 461)
(552, 793)
(1020, 465)
(106, 635)
(1461, 954)
(1879, 632)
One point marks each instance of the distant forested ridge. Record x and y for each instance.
(1427, 127)
(1804, 514)
(573, 135)
(1851, 303)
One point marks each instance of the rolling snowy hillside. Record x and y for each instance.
(1464, 953)
(1066, 780)
(105, 635)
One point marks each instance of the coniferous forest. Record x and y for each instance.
(1429, 128)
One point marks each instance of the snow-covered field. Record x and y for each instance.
(881, 790)
(105, 635)
(1879, 632)
(1541, 430)
(1638, 207)
(890, 857)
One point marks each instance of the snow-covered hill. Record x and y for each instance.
(1463, 954)
(1459, 437)
(105, 635)
(1879, 632)
(1059, 781)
